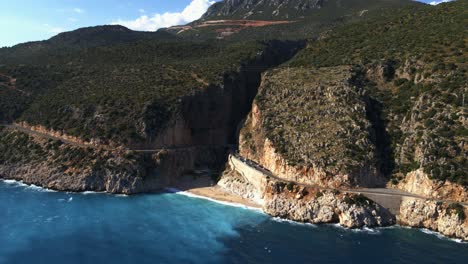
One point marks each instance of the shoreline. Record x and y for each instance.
(216, 195)
(220, 197)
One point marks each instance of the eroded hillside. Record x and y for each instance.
(399, 111)
(310, 125)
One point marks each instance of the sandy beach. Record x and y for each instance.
(205, 187)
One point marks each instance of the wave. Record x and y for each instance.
(42, 189)
(27, 186)
(282, 220)
(441, 236)
(365, 229)
(188, 194)
(9, 181)
(368, 230)
(91, 192)
(39, 189)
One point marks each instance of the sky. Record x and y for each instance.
(30, 20)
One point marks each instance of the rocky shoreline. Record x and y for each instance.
(308, 205)
(351, 217)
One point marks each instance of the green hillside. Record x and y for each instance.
(412, 64)
(106, 92)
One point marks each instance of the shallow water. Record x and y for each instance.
(39, 226)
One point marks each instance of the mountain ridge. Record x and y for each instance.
(287, 9)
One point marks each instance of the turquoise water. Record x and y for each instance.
(37, 226)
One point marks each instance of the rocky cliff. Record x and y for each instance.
(331, 136)
(419, 182)
(307, 205)
(448, 219)
(55, 165)
(197, 136)
(314, 206)
(323, 138)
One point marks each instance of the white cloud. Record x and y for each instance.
(439, 2)
(141, 10)
(72, 19)
(78, 10)
(152, 23)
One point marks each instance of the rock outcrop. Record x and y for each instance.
(55, 165)
(323, 138)
(313, 206)
(419, 183)
(307, 205)
(249, 8)
(449, 220)
(235, 183)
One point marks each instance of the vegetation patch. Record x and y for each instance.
(458, 209)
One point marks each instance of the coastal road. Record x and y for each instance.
(365, 191)
(46, 136)
(368, 191)
(99, 147)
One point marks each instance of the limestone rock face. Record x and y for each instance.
(249, 7)
(418, 182)
(54, 165)
(327, 208)
(235, 183)
(310, 142)
(434, 216)
(312, 205)
(308, 205)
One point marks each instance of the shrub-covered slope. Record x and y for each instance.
(118, 92)
(412, 65)
(316, 120)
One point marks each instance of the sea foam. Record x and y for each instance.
(441, 236)
(27, 186)
(291, 222)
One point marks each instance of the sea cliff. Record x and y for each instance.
(318, 205)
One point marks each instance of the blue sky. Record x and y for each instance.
(28, 20)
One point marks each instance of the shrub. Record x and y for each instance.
(458, 209)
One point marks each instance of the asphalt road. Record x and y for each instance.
(370, 191)
(102, 147)
(374, 191)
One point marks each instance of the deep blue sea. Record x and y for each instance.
(39, 226)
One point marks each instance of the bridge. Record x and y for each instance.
(388, 198)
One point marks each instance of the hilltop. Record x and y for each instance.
(291, 9)
(280, 19)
